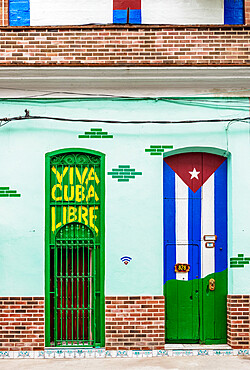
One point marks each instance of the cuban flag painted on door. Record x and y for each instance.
(195, 205)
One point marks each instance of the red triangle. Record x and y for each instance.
(201, 166)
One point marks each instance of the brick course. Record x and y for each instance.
(135, 323)
(21, 323)
(238, 321)
(114, 45)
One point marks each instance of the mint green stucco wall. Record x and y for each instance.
(133, 210)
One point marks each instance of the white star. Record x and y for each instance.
(194, 174)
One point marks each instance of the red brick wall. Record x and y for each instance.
(21, 323)
(125, 45)
(247, 11)
(6, 13)
(238, 321)
(135, 323)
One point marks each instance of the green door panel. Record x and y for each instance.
(214, 309)
(182, 310)
(194, 313)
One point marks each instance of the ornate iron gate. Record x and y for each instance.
(74, 286)
(74, 249)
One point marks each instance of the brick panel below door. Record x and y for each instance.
(238, 321)
(135, 323)
(21, 323)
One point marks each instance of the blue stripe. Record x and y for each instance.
(120, 16)
(19, 13)
(233, 11)
(194, 234)
(220, 195)
(169, 222)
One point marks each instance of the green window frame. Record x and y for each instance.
(50, 237)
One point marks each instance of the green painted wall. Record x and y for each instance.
(133, 209)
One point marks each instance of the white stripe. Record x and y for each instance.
(207, 227)
(181, 195)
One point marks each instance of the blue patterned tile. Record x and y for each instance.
(90, 353)
(59, 353)
(202, 352)
(100, 353)
(223, 352)
(69, 353)
(243, 352)
(122, 354)
(39, 354)
(178, 353)
(79, 353)
(49, 354)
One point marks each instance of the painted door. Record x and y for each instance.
(195, 247)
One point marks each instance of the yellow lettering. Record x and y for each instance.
(79, 193)
(66, 197)
(79, 214)
(92, 176)
(60, 176)
(72, 214)
(53, 192)
(64, 215)
(71, 171)
(58, 225)
(81, 178)
(92, 194)
(53, 219)
(54, 226)
(92, 218)
(85, 215)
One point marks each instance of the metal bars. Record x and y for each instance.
(74, 281)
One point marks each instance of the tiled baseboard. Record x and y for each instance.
(102, 353)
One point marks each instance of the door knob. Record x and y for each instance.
(211, 284)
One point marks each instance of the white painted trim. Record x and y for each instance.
(207, 228)
(74, 82)
(181, 198)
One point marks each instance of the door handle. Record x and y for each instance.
(211, 284)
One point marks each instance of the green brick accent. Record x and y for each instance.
(95, 133)
(5, 192)
(124, 173)
(239, 262)
(158, 149)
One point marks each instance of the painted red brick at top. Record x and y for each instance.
(125, 45)
(238, 321)
(21, 323)
(135, 323)
(124, 4)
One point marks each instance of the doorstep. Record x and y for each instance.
(178, 346)
(83, 353)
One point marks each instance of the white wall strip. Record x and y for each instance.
(183, 11)
(70, 12)
(207, 227)
(181, 193)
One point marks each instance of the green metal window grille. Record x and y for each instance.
(74, 249)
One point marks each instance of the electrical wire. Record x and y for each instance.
(4, 121)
